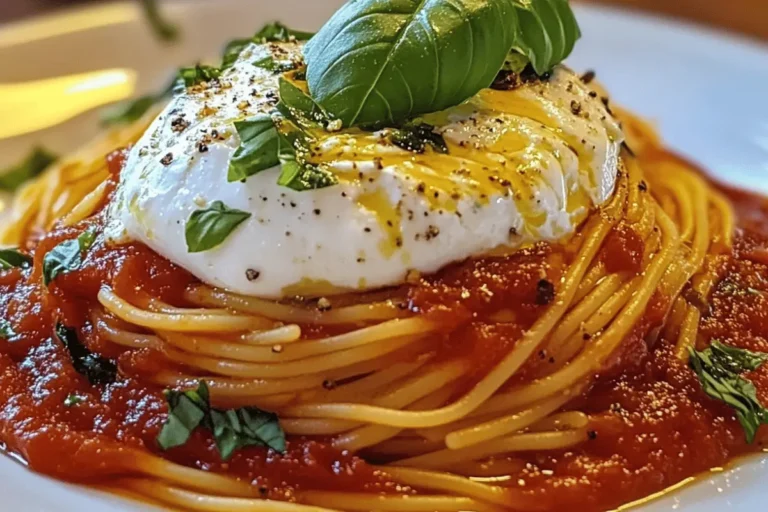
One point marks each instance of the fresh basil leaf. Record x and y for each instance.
(186, 411)
(276, 32)
(133, 110)
(97, 369)
(301, 106)
(73, 400)
(67, 256)
(208, 228)
(12, 258)
(390, 60)
(232, 51)
(270, 64)
(548, 32)
(258, 148)
(719, 369)
(417, 136)
(37, 161)
(199, 73)
(6, 331)
(164, 29)
(232, 429)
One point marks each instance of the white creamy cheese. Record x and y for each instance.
(524, 165)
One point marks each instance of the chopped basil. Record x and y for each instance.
(73, 400)
(164, 29)
(12, 258)
(132, 110)
(6, 331)
(199, 73)
(276, 32)
(392, 60)
(232, 429)
(719, 369)
(270, 64)
(417, 136)
(258, 147)
(67, 256)
(97, 369)
(37, 161)
(208, 228)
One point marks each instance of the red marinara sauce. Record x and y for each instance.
(652, 426)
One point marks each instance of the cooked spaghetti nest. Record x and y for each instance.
(378, 388)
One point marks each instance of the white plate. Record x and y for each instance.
(705, 90)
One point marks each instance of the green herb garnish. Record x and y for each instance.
(12, 258)
(67, 256)
(37, 161)
(6, 331)
(199, 73)
(391, 60)
(73, 400)
(132, 110)
(97, 369)
(208, 228)
(258, 147)
(276, 32)
(417, 136)
(232, 429)
(164, 29)
(719, 369)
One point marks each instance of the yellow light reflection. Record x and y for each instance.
(30, 106)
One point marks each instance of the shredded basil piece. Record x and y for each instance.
(37, 161)
(67, 256)
(417, 136)
(12, 258)
(132, 110)
(199, 73)
(97, 369)
(276, 32)
(232, 429)
(270, 64)
(163, 28)
(6, 331)
(719, 369)
(73, 400)
(258, 148)
(392, 60)
(208, 228)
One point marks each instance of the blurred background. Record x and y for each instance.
(746, 16)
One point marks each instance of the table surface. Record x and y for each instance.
(746, 16)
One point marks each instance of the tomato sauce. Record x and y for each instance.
(651, 425)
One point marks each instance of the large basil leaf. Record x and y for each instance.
(548, 32)
(67, 256)
(37, 161)
(390, 60)
(719, 369)
(97, 369)
(232, 429)
(12, 258)
(208, 228)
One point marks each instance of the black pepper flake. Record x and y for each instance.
(575, 107)
(367, 230)
(329, 384)
(252, 274)
(432, 232)
(542, 354)
(592, 94)
(545, 292)
(642, 186)
(203, 148)
(179, 124)
(399, 241)
(588, 77)
(263, 490)
(586, 336)
(167, 159)
(592, 435)
(316, 211)
(421, 188)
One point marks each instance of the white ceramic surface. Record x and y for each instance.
(705, 90)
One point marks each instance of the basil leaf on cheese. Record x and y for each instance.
(67, 256)
(6, 331)
(12, 258)
(719, 369)
(208, 228)
(276, 32)
(417, 136)
(232, 429)
(97, 369)
(258, 148)
(163, 28)
(37, 161)
(199, 73)
(391, 60)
